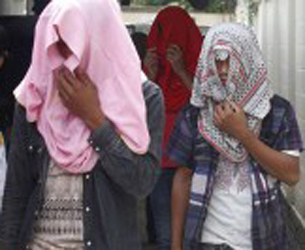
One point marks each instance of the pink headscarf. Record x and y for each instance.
(100, 44)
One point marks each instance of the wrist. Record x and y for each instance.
(95, 120)
(176, 245)
(245, 137)
(176, 248)
(186, 79)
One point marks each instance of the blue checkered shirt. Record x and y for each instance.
(188, 148)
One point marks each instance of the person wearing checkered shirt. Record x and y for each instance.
(236, 143)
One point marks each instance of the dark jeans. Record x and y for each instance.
(206, 246)
(150, 225)
(160, 200)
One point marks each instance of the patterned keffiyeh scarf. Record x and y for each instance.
(247, 84)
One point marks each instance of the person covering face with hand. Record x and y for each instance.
(87, 135)
(173, 47)
(236, 143)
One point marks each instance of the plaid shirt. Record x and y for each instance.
(187, 147)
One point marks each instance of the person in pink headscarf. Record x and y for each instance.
(87, 135)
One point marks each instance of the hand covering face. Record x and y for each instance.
(94, 32)
(247, 84)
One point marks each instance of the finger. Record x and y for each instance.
(63, 97)
(169, 56)
(84, 79)
(235, 107)
(227, 108)
(219, 111)
(151, 58)
(217, 120)
(152, 49)
(81, 77)
(170, 59)
(170, 50)
(176, 50)
(173, 52)
(175, 47)
(151, 64)
(151, 54)
(63, 85)
(68, 76)
(66, 103)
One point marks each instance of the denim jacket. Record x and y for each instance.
(111, 189)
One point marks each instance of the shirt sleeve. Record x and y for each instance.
(180, 146)
(294, 153)
(289, 137)
(135, 173)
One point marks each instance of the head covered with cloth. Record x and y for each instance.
(246, 84)
(67, 36)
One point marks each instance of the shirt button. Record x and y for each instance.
(87, 176)
(97, 149)
(31, 148)
(89, 243)
(87, 209)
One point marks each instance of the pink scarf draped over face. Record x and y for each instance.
(95, 33)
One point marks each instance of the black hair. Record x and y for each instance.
(4, 41)
(139, 39)
(39, 6)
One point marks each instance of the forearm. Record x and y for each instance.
(179, 204)
(278, 164)
(186, 79)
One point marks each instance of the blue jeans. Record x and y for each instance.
(160, 200)
(150, 224)
(207, 246)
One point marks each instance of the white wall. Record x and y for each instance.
(13, 7)
(281, 31)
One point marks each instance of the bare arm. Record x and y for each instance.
(283, 167)
(179, 204)
(278, 164)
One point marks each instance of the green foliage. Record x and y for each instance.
(221, 6)
(165, 2)
(214, 6)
